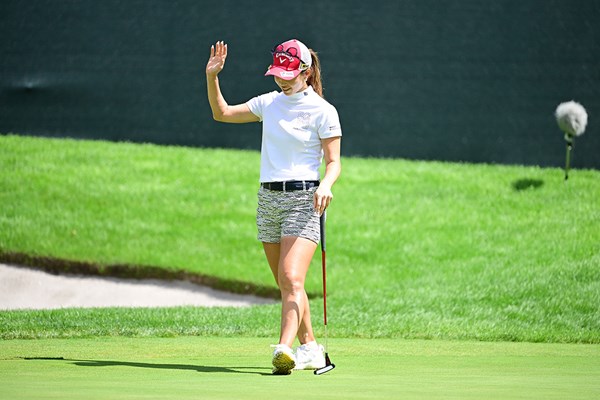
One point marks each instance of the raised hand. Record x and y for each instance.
(216, 62)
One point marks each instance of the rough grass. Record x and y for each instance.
(415, 249)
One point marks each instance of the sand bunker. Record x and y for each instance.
(25, 288)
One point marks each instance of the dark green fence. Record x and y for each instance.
(459, 80)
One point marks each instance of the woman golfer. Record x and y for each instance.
(299, 129)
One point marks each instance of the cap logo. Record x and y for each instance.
(288, 58)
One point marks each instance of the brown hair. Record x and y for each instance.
(314, 78)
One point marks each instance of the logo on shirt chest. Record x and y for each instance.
(302, 121)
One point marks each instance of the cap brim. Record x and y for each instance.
(283, 73)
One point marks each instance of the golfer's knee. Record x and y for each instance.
(291, 285)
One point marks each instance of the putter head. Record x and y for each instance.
(328, 366)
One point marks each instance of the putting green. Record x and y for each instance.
(238, 368)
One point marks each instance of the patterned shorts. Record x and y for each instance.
(282, 214)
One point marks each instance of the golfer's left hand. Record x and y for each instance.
(323, 197)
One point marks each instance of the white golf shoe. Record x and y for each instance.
(283, 360)
(310, 356)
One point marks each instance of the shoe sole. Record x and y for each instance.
(283, 364)
(308, 366)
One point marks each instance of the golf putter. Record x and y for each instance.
(328, 364)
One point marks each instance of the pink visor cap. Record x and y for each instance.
(289, 59)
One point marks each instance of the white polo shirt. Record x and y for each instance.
(293, 127)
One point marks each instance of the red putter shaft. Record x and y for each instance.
(328, 364)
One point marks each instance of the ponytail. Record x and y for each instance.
(314, 78)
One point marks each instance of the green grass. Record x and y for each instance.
(191, 368)
(415, 249)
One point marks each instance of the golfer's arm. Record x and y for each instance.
(333, 163)
(222, 111)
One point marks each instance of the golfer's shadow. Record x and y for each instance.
(197, 368)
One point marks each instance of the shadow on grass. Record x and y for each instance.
(185, 367)
(526, 183)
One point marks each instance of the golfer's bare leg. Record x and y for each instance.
(305, 332)
(293, 255)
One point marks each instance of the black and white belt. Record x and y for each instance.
(290, 186)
